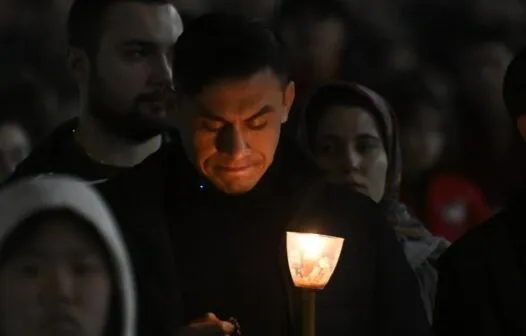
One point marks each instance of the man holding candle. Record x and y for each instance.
(226, 195)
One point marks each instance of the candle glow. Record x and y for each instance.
(312, 258)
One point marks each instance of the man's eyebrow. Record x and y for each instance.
(264, 110)
(139, 43)
(204, 112)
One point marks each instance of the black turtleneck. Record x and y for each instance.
(230, 251)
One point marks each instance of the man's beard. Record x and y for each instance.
(132, 125)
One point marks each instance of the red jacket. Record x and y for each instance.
(453, 205)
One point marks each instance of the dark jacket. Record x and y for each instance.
(482, 278)
(227, 253)
(60, 154)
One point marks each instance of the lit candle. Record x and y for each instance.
(312, 259)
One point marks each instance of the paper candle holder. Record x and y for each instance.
(312, 258)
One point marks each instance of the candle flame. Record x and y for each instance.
(311, 245)
(312, 258)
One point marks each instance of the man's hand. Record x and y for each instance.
(210, 325)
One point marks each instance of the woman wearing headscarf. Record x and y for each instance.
(352, 133)
(64, 269)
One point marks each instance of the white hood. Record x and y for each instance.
(20, 200)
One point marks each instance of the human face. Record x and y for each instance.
(231, 129)
(349, 148)
(132, 74)
(58, 283)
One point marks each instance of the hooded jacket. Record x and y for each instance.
(20, 200)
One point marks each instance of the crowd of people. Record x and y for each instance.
(150, 172)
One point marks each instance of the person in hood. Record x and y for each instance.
(64, 268)
(482, 275)
(120, 55)
(223, 198)
(352, 133)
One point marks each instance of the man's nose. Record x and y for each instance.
(162, 71)
(232, 141)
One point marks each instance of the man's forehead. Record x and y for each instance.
(245, 91)
(238, 106)
(133, 20)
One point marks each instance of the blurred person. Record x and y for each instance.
(315, 34)
(482, 66)
(353, 135)
(504, 19)
(487, 132)
(223, 198)
(15, 145)
(330, 40)
(481, 277)
(120, 54)
(434, 186)
(64, 269)
(37, 24)
(24, 106)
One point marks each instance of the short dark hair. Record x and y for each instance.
(85, 21)
(223, 46)
(514, 88)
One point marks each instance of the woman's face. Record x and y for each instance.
(57, 283)
(348, 146)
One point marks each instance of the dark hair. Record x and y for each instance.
(86, 18)
(24, 231)
(514, 88)
(225, 46)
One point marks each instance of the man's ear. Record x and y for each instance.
(521, 126)
(79, 65)
(288, 100)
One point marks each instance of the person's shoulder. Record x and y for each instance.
(47, 156)
(338, 208)
(478, 244)
(138, 177)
